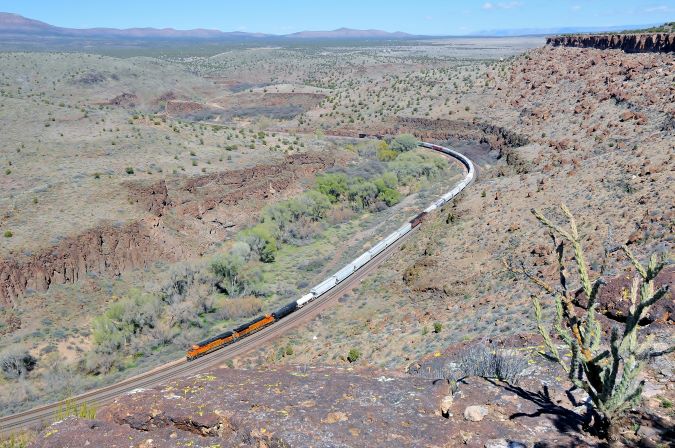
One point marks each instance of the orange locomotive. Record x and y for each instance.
(223, 339)
(227, 338)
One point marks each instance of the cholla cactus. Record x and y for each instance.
(608, 374)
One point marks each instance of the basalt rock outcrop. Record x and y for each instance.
(111, 249)
(495, 137)
(107, 249)
(630, 43)
(259, 182)
(276, 407)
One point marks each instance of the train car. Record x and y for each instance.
(322, 287)
(391, 239)
(417, 220)
(405, 228)
(344, 273)
(253, 326)
(285, 310)
(361, 260)
(302, 301)
(376, 249)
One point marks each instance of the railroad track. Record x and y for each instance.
(48, 413)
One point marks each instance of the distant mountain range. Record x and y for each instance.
(19, 26)
(347, 33)
(559, 30)
(16, 24)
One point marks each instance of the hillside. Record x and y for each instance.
(250, 158)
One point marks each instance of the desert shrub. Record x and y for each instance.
(411, 166)
(313, 205)
(390, 197)
(246, 306)
(261, 241)
(8, 234)
(296, 219)
(609, 375)
(16, 363)
(237, 276)
(404, 142)
(113, 331)
(332, 185)
(21, 440)
(301, 231)
(339, 214)
(385, 153)
(70, 407)
(361, 193)
(438, 327)
(490, 362)
(129, 170)
(353, 355)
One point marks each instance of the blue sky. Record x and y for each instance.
(441, 17)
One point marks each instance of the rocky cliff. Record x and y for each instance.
(111, 249)
(107, 249)
(630, 43)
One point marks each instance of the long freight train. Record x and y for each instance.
(228, 337)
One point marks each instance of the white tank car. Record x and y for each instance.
(302, 301)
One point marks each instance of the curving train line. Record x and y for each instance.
(207, 354)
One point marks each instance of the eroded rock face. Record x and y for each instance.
(112, 249)
(630, 43)
(258, 182)
(495, 137)
(105, 249)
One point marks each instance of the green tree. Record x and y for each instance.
(404, 143)
(385, 153)
(333, 185)
(228, 266)
(362, 193)
(261, 241)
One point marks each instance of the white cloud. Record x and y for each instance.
(501, 5)
(576, 8)
(428, 18)
(662, 8)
